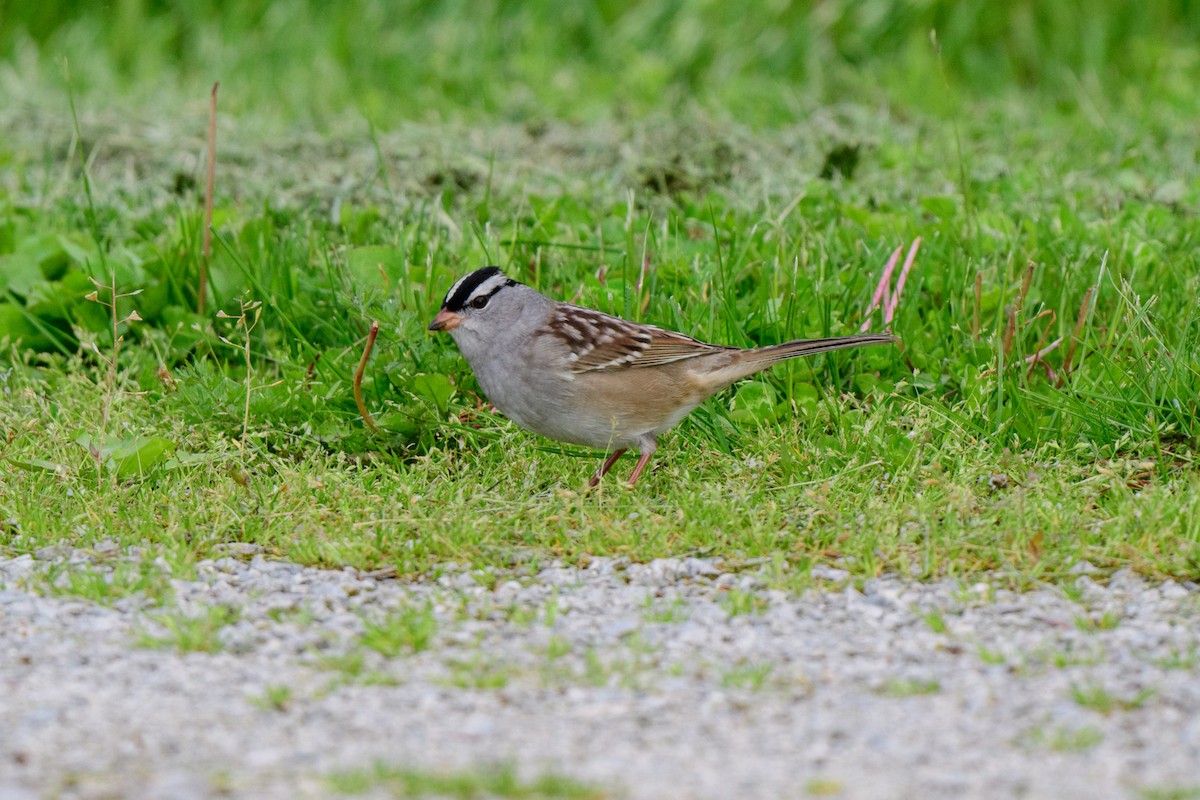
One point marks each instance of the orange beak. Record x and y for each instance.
(445, 320)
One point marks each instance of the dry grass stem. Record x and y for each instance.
(1080, 320)
(210, 179)
(358, 376)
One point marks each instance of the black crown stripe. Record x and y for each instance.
(466, 287)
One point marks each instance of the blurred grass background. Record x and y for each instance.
(318, 62)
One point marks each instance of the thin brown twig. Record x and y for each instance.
(358, 376)
(111, 361)
(210, 179)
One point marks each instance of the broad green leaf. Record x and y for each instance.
(406, 424)
(130, 457)
(39, 465)
(139, 456)
(18, 272)
(16, 323)
(13, 323)
(754, 402)
(435, 389)
(805, 396)
(78, 247)
(866, 382)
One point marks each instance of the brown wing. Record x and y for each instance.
(599, 341)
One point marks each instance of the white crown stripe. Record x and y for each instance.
(490, 285)
(457, 283)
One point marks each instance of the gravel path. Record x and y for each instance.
(670, 679)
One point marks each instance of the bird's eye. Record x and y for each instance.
(480, 302)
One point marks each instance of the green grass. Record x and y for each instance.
(350, 667)
(1181, 659)
(1170, 793)
(909, 687)
(823, 787)
(329, 64)
(500, 782)
(1066, 740)
(669, 613)
(677, 184)
(410, 630)
(1106, 621)
(478, 672)
(107, 584)
(936, 622)
(1100, 699)
(737, 602)
(276, 697)
(196, 633)
(750, 676)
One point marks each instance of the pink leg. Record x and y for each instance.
(605, 467)
(641, 465)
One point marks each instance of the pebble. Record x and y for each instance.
(643, 680)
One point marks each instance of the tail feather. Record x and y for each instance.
(773, 354)
(745, 363)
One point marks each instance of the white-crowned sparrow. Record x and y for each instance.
(581, 376)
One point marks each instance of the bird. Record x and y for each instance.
(577, 375)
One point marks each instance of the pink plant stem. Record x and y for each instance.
(908, 262)
(881, 288)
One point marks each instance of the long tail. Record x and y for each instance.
(764, 357)
(744, 363)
